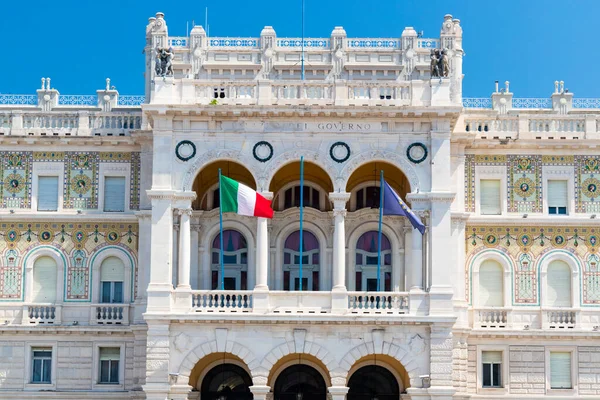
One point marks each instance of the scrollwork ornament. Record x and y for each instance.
(337, 158)
(416, 158)
(256, 150)
(185, 150)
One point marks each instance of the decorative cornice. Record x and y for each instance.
(185, 195)
(166, 194)
(184, 211)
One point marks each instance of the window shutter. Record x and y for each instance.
(110, 353)
(491, 284)
(112, 270)
(559, 284)
(489, 357)
(44, 280)
(560, 370)
(47, 193)
(557, 194)
(489, 197)
(114, 194)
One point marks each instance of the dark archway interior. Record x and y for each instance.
(373, 382)
(300, 379)
(226, 381)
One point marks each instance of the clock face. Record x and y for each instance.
(417, 152)
(185, 150)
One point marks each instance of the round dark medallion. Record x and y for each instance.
(339, 152)
(262, 151)
(185, 150)
(416, 153)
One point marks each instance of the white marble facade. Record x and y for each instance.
(133, 310)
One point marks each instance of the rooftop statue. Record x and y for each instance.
(164, 61)
(439, 64)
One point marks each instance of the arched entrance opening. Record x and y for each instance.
(221, 376)
(363, 184)
(377, 376)
(226, 382)
(373, 382)
(300, 382)
(206, 183)
(366, 263)
(285, 186)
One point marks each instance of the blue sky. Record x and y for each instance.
(78, 44)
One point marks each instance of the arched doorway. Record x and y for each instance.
(373, 382)
(235, 261)
(300, 382)
(226, 382)
(310, 262)
(366, 263)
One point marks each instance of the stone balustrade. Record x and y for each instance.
(41, 314)
(109, 314)
(528, 318)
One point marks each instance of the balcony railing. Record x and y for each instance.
(222, 301)
(491, 317)
(534, 126)
(38, 314)
(558, 318)
(377, 302)
(109, 314)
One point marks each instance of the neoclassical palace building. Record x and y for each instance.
(110, 281)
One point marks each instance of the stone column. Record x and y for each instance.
(339, 293)
(143, 266)
(180, 392)
(183, 281)
(441, 347)
(260, 392)
(408, 266)
(440, 197)
(161, 251)
(194, 256)
(338, 392)
(261, 288)
(157, 385)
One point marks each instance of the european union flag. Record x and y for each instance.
(393, 205)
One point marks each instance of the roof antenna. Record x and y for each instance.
(206, 21)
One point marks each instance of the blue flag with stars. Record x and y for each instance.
(394, 205)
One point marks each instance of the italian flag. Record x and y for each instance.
(240, 199)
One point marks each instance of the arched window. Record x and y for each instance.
(558, 284)
(235, 261)
(310, 262)
(112, 278)
(366, 263)
(227, 381)
(367, 197)
(45, 279)
(291, 197)
(491, 284)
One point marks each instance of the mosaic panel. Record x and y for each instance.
(525, 246)
(470, 162)
(81, 181)
(587, 184)
(15, 184)
(524, 184)
(76, 241)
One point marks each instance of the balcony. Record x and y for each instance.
(528, 318)
(109, 314)
(291, 302)
(41, 314)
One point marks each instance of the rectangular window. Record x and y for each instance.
(109, 365)
(489, 197)
(558, 197)
(560, 370)
(114, 194)
(47, 193)
(41, 365)
(492, 369)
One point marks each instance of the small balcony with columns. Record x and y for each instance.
(262, 275)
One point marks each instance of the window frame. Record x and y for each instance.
(574, 368)
(124, 194)
(559, 173)
(491, 173)
(114, 170)
(41, 169)
(96, 385)
(279, 197)
(504, 370)
(28, 376)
